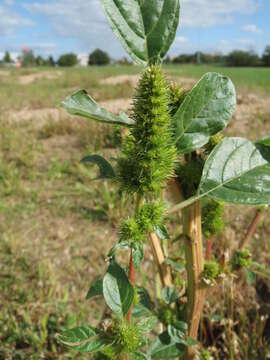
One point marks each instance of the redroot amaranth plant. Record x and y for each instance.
(174, 136)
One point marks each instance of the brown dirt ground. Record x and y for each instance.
(49, 75)
(80, 241)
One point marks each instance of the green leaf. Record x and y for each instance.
(147, 323)
(237, 171)
(251, 276)
(205, 111)
(139, 356)
(137, 254)
(176, 334)
(105, 168)
(165, 348)
(145, 299)
(190, 341)
(122, 245)
(145, 307)
(146, 28)
(80, 103)
(137, 251)
(162, 232)
(140, 310)
(117, 290)
(264, 141)
(175, 265)
(169, 295)
(84, 339)
(96, 289)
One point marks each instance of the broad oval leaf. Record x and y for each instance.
(146, 324)
(165, 348)
(140, 310)
(105, 168)
(117, 290)
(237, 171)
(84, 339)
(96, 289)
(82, 104)
(169, 295)
(146, 28)
(205, 111)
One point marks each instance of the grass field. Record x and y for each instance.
(57, 224)
(248, 78)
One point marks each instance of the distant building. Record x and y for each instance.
(83, 59)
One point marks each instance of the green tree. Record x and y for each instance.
(28, 58)
(69, 59)
(51, 61)
(99, 57)
(266, 56)
(40, 61)
(243, 58)
(7, 58)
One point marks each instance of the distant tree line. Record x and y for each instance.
(235, 58)
(100, 58)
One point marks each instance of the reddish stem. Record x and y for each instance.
(131, 276)
(208, 249)
(252, 229)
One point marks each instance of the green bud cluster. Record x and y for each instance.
(205, 355)
(148, 217)
(211, 270)
(108, 352)
(241, 259)
(127, 336)
(167, 315)
(148, 153)
(176, 97)
(213, 142)
(212, 218)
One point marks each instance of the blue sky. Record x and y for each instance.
(58, 26)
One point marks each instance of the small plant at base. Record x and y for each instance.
(211, 272)
(241, 259)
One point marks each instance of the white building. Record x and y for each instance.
(83, 59)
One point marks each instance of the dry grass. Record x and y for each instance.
(57, 225)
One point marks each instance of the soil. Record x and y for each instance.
(49, 75)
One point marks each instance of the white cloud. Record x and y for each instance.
(180, 40)
(207, 13)
(80, 19)
(84, 20)
(10, 21)
(44, 48)
(226, 46)
(252, 28)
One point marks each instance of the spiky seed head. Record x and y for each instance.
(212, 218)
(148, 154)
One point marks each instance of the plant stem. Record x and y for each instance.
(132, 269)
(131, 276)
(208, 248)
(252, 228)
(163, 269)
(194, 267)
